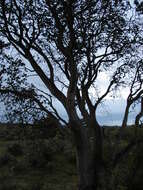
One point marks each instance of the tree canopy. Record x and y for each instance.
(68, 45)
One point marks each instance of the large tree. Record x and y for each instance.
(69, 45)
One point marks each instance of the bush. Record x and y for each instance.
(38, 154)
(7, 159)
(7, 186)
(37, 186)
(19, 167)
(15, 149)
(37, 162)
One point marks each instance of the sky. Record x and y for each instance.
(110, 112)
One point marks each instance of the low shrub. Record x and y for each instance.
(7, 186)
(19, 167)
(6, 159)
(37, 186)
(37, 155)
(15, 149)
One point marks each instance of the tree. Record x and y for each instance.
(139, 6)
(140, 114)
(68, 45)
(136, 89)
(136, 69)
(18, 95)
(139, 9)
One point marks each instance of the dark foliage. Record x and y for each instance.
(15, 149)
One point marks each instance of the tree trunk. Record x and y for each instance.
(138, 117)
(125, 119)
(98, 157)
(85, 161)
(89, 163)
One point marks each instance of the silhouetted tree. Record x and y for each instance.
(136, 69)
(68, 45)
(135, 88)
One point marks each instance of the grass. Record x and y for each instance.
(33, 170)
(48, 163)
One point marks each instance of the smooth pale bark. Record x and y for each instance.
(98, 158)
(89, 158)
(85, 160)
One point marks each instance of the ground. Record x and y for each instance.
(30, 160)
(37, 158)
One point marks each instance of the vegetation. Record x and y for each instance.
(31, 160)
(68, 46)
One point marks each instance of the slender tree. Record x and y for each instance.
(140, 114)
(136, 70)
(135, 89)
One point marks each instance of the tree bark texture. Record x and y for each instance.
(89, 160)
